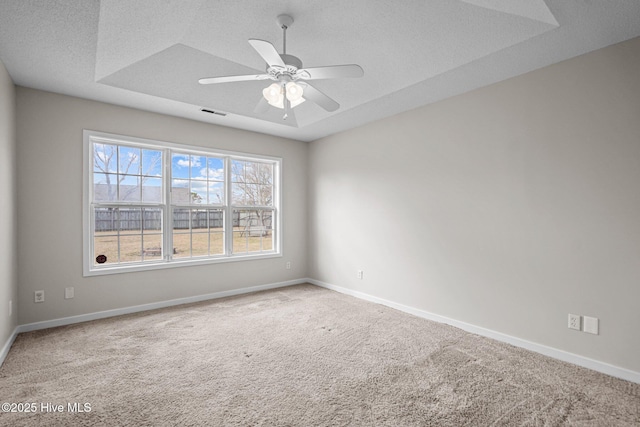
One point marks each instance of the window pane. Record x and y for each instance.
(251, 195)
(240, 242)
(152, 221)
(180, 192)
(151, 163)
(252, 183)
(126, 184)
(105, 220)
(198, 192)
(181, 219)
(199, 244)
(180, 166)
(238, 194)
(181, 233)
(199, 220)
(198, 167)
(181, 244)
(199, 229)
(216, 192)
(252, 231)
(237, 171)
(216, 220)
(130, 221)
(215, 167)
(152, 190)
(265, 195)
(216, 243)
(152, 233)
(129, 160)
(216, 228)
(152, 247)
(105, 245)
(105, 158)
(119, 234)
(267, 242)
(265, 173)
(129, 188)
(196, 230)
(131, 248)
(197, 180)
(105, 187)
(251, 172)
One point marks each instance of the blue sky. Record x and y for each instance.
(203, 176)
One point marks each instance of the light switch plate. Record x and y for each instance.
(590, 325)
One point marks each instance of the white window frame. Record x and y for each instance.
(167, 261)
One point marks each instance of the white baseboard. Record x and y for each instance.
(586, 362)
(145, 307)
(7, 345)
(555, 353)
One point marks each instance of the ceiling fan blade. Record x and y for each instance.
(267, 52)
(312, 94)
(262, 106)
(229, 79)
(330, 72)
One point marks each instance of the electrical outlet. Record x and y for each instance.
(574, 321)
(288, 265)
(360, 274)
(38, 296)
(68, 292)
(590, 325)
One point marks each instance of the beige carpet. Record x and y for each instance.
(298, 356)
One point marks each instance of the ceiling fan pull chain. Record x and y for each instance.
(286, 106)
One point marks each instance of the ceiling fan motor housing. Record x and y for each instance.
(293, 64)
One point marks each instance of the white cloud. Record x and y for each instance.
(217, 174)
(195, 161)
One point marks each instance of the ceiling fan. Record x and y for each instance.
(290, 87)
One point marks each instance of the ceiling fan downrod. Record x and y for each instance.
(284, 21)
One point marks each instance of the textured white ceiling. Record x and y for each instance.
(149, 54)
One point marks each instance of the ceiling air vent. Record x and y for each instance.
(219, 113)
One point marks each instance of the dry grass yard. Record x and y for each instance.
(185, 245)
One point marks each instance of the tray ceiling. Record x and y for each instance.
(148, 54)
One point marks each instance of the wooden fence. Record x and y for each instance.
(112, 219)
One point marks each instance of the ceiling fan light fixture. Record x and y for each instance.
(294, 92)
(274, 95)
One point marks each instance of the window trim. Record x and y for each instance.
(90, 136)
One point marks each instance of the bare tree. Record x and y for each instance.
(254, 181)
(105, 161)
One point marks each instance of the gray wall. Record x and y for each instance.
(8, 247)
(49, 133)
(507, 207)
